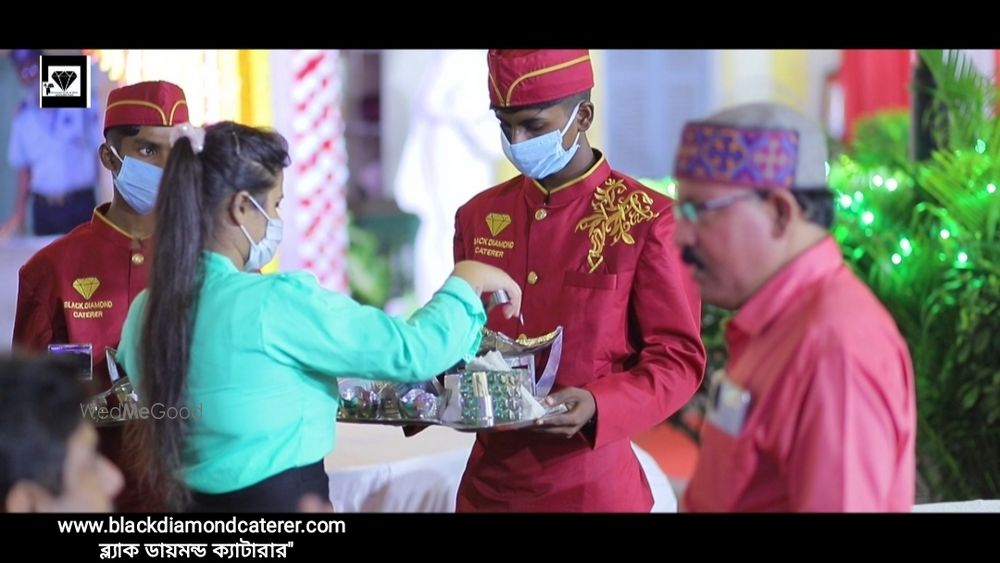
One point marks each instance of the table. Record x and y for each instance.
(376, 469)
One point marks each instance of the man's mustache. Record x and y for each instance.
(689, 257)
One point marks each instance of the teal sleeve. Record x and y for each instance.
(329, 333)
(128, 347)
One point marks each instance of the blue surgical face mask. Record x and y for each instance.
(263, 252)
(543, 155)
(138, 183)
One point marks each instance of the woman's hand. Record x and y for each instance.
(486, 279)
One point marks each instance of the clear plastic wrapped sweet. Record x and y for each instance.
(356, 401)
(498, 389)
(418, 404)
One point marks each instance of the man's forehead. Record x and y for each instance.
(151, 134)
(520, 115)
(697, 190)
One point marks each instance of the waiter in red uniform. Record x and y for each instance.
(593, 250)
(78, 289)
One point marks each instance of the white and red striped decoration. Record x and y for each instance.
(319, 156)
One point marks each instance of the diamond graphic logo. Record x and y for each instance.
(497, 222)
(86, 286)
(64, 78)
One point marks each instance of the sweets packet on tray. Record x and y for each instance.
(497, 390)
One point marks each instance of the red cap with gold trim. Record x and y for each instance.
(156, 103)
(521, 77)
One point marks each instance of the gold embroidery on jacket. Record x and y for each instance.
(615, 213)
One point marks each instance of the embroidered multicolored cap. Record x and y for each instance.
(760, 146)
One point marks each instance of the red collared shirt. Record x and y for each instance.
(832, 418)
(78, 290)
(595, 256)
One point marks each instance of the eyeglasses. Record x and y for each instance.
(692, 212)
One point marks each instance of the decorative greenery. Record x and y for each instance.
(922, 234)
(367, 268)
(380, 257)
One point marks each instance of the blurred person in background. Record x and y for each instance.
(815, 409)
(53, 151)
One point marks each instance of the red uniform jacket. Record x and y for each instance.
(597, 257)
(78, 290)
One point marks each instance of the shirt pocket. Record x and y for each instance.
(584, 280)
(593, 314)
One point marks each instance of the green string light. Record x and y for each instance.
(904, 244)
(945, 234)
(896, 258)
(867, 217)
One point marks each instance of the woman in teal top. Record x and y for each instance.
(239, 369)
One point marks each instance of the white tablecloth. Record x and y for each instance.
(377, 469)
(963, 506)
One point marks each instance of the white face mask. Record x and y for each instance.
(138, 183)
(542, 156)
(263, 252)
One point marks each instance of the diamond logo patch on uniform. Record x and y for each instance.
(86, 286)
(497, 222)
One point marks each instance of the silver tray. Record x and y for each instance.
(499, 427)
(390, 422)
(459, 426)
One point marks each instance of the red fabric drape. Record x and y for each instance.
(874, 80)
